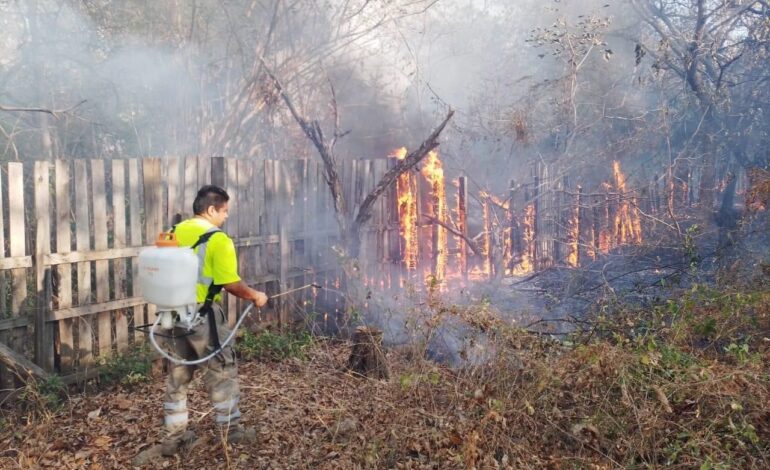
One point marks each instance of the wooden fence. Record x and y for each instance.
(71, 231)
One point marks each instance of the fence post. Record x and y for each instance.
(513, 243)
(462, 223)
(536, 225)
(284, 253)
(581, 224)
(43, 331)
(218, 175)
(489, 267)
(153, 207)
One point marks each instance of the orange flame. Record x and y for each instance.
(627, 224)
(508, 249)
(407, 209)
(528, 236)
(573, 237)
(487, 248)
(406, 190)
(399, 153)
(433, 172)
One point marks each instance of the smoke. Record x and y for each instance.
(165, 80)
(489, 61)
(58, 57)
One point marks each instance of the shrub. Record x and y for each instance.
(130, 368)
(271, 346)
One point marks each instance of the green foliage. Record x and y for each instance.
(271, 346)
(690, 247)
(44, 395)
(740, 352)
(131, 368)
(413, 380)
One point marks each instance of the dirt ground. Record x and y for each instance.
(309, 414)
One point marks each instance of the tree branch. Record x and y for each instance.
(53, 112)
(314, 132)
(471, 244)
(411, 160)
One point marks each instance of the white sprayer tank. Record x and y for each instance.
(168, 274)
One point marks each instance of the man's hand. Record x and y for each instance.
(240, 289)
(259, 299)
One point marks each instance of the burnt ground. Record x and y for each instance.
(509, 400)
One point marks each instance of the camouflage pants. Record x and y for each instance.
(220, 376)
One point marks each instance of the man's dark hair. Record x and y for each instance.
(209, 195)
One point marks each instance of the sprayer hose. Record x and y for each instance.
(229, 338)
(185, 362)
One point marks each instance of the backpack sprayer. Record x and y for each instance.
(168, 276)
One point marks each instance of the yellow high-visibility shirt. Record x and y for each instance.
(220, 263)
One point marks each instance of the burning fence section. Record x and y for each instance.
(406, 188)
(555, 224)
(434, 174)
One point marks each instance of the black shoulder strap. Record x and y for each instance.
(204, 238)
(214, 289)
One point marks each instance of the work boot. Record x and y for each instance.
(171, 445)
(241, 435)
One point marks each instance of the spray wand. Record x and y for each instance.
(227, 340)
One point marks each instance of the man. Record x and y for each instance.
(218, 269)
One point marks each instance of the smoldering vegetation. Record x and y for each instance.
(606, 317)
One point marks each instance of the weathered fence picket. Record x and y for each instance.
(78, 236)
(88, 221)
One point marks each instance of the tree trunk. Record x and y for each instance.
(367, 358)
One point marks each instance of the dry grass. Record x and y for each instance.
(683, 385)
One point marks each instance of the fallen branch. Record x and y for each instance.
(21, 364)
(471, 244)
(411, 160)
(53, 112)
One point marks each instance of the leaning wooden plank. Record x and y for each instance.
(82, 243)
(43, 331)
(135, 211)
(63, 246)
(23, 366)
(103, 319)
(119, 243)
